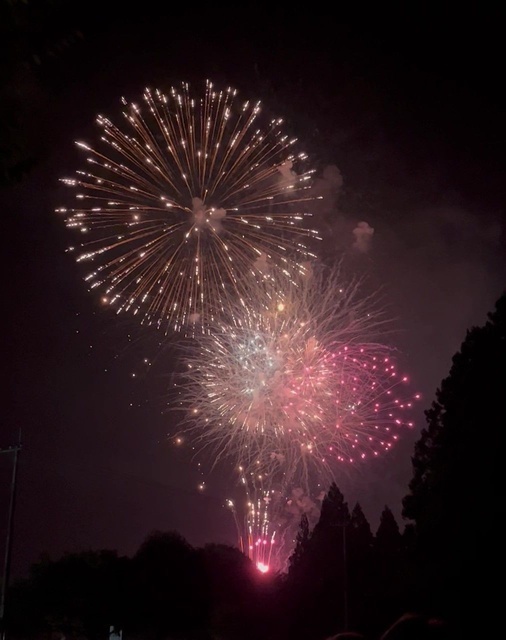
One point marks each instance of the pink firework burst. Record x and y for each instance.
(299, 384)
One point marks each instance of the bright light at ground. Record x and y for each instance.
(263, 568)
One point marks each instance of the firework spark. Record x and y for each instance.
(267, 519)
(187, 204)
(296, 386)
(255, 529)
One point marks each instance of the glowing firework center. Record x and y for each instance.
(279, 377)
(202, 217)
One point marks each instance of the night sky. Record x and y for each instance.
(407, 106)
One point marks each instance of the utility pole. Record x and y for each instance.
(345, 575)
(8, 541)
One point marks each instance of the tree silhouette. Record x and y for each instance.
(456, 497)
(167, 588)
(231, 591)
(388, 541)
(360, 542)
(388, 569)
(319, 593)
(81, 594)
(299, 555)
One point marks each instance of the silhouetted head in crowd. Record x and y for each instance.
(412, 626)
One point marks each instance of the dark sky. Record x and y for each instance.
(407, 105)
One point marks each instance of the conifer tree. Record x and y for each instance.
(456, 498)
(359, 569)
(299, 555)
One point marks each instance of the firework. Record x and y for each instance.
(255, 529)
(296, 386)
(187, 204)
(267, 519)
